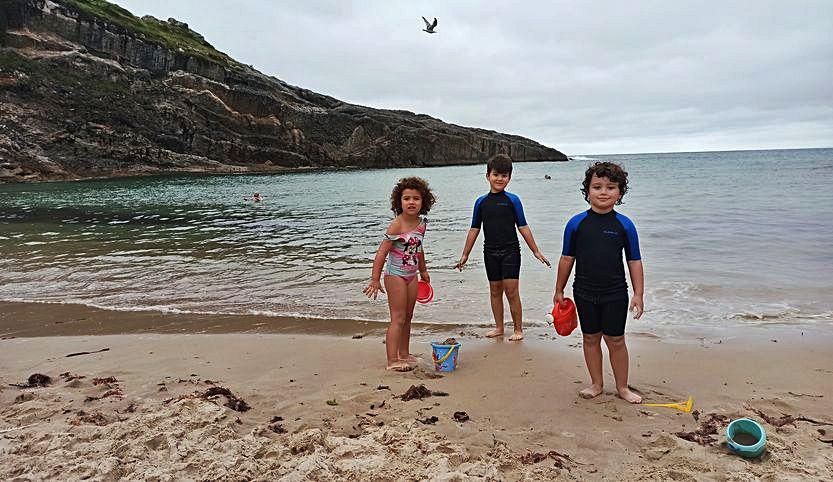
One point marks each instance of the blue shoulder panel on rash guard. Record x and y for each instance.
(632, 245)
(477, 216)
(520, 219)
(597, 242)
(569, 246)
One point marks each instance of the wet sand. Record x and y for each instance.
(526, 421)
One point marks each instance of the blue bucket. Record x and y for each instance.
(445, 356)
(753, 437)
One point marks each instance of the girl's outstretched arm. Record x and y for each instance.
(375, 286)
(565, 266)
(423, 268)
(638, 283)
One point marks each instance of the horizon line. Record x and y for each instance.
(696, 152)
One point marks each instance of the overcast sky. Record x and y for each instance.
(590, 77)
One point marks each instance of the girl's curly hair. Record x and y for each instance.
(610, 170)
(417, 183)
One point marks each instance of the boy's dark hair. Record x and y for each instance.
(500, 163)
(610, 170)
(421, 185)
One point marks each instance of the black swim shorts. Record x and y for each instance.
(603, 315)
(503, 263)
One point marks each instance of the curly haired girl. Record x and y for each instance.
(402, 248)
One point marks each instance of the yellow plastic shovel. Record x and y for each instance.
(682, 406)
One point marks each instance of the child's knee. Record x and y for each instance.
(512, 293)
(614, 342)
(592, 338)
(495, 291)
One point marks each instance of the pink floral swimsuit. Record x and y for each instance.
(403, 257)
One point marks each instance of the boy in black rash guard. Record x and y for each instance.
(499, 212)
(594, 240)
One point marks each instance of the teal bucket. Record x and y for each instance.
(445, 356)
(746, 437)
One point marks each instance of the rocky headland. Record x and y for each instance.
(89, 90)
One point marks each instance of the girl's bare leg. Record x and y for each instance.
(398, 305)
(404, 353)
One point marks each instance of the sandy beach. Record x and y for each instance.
(321, 407)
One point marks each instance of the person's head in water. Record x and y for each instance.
(499, 172)
(256, 197)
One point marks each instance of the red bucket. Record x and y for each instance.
(565, 317)
(425, 292)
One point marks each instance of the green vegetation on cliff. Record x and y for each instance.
(171, 35)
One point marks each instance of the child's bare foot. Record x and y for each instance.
(410, 360)
(399, 366)
(627, 395)
(517, 336)
(494, 334)
(592, 391)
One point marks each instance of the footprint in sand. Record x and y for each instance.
(658, 448)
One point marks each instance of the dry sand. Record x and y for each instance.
(526, 420)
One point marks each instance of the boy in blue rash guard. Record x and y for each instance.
(499, 212)
(594, 240)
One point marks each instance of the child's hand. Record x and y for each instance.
(424, 276)
(373, 289)
(463, 259)
(542, 258)
(637, 306)
(558, 299)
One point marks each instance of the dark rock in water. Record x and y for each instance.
(88, 90)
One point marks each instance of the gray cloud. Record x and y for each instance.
(584, 77)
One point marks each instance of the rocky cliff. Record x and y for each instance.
(89, 90)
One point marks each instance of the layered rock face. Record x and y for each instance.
(88, 90)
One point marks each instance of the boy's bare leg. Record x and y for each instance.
(496, 298)
(405, 336)
(398, 305)
(619, 362)
(510, 288)
(592, 345)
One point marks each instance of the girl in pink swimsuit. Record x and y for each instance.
(402, 248)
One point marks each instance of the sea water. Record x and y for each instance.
(727, 239)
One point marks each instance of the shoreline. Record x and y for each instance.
(243, 170)
(155, 423)
(44, 319)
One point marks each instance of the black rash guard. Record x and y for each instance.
(596, 241)
(499, 213)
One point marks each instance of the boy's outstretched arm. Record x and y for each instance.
(470, 239)
(565, 266)
(526, 233)
(638, 283)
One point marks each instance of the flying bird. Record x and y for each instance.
(429, 27)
